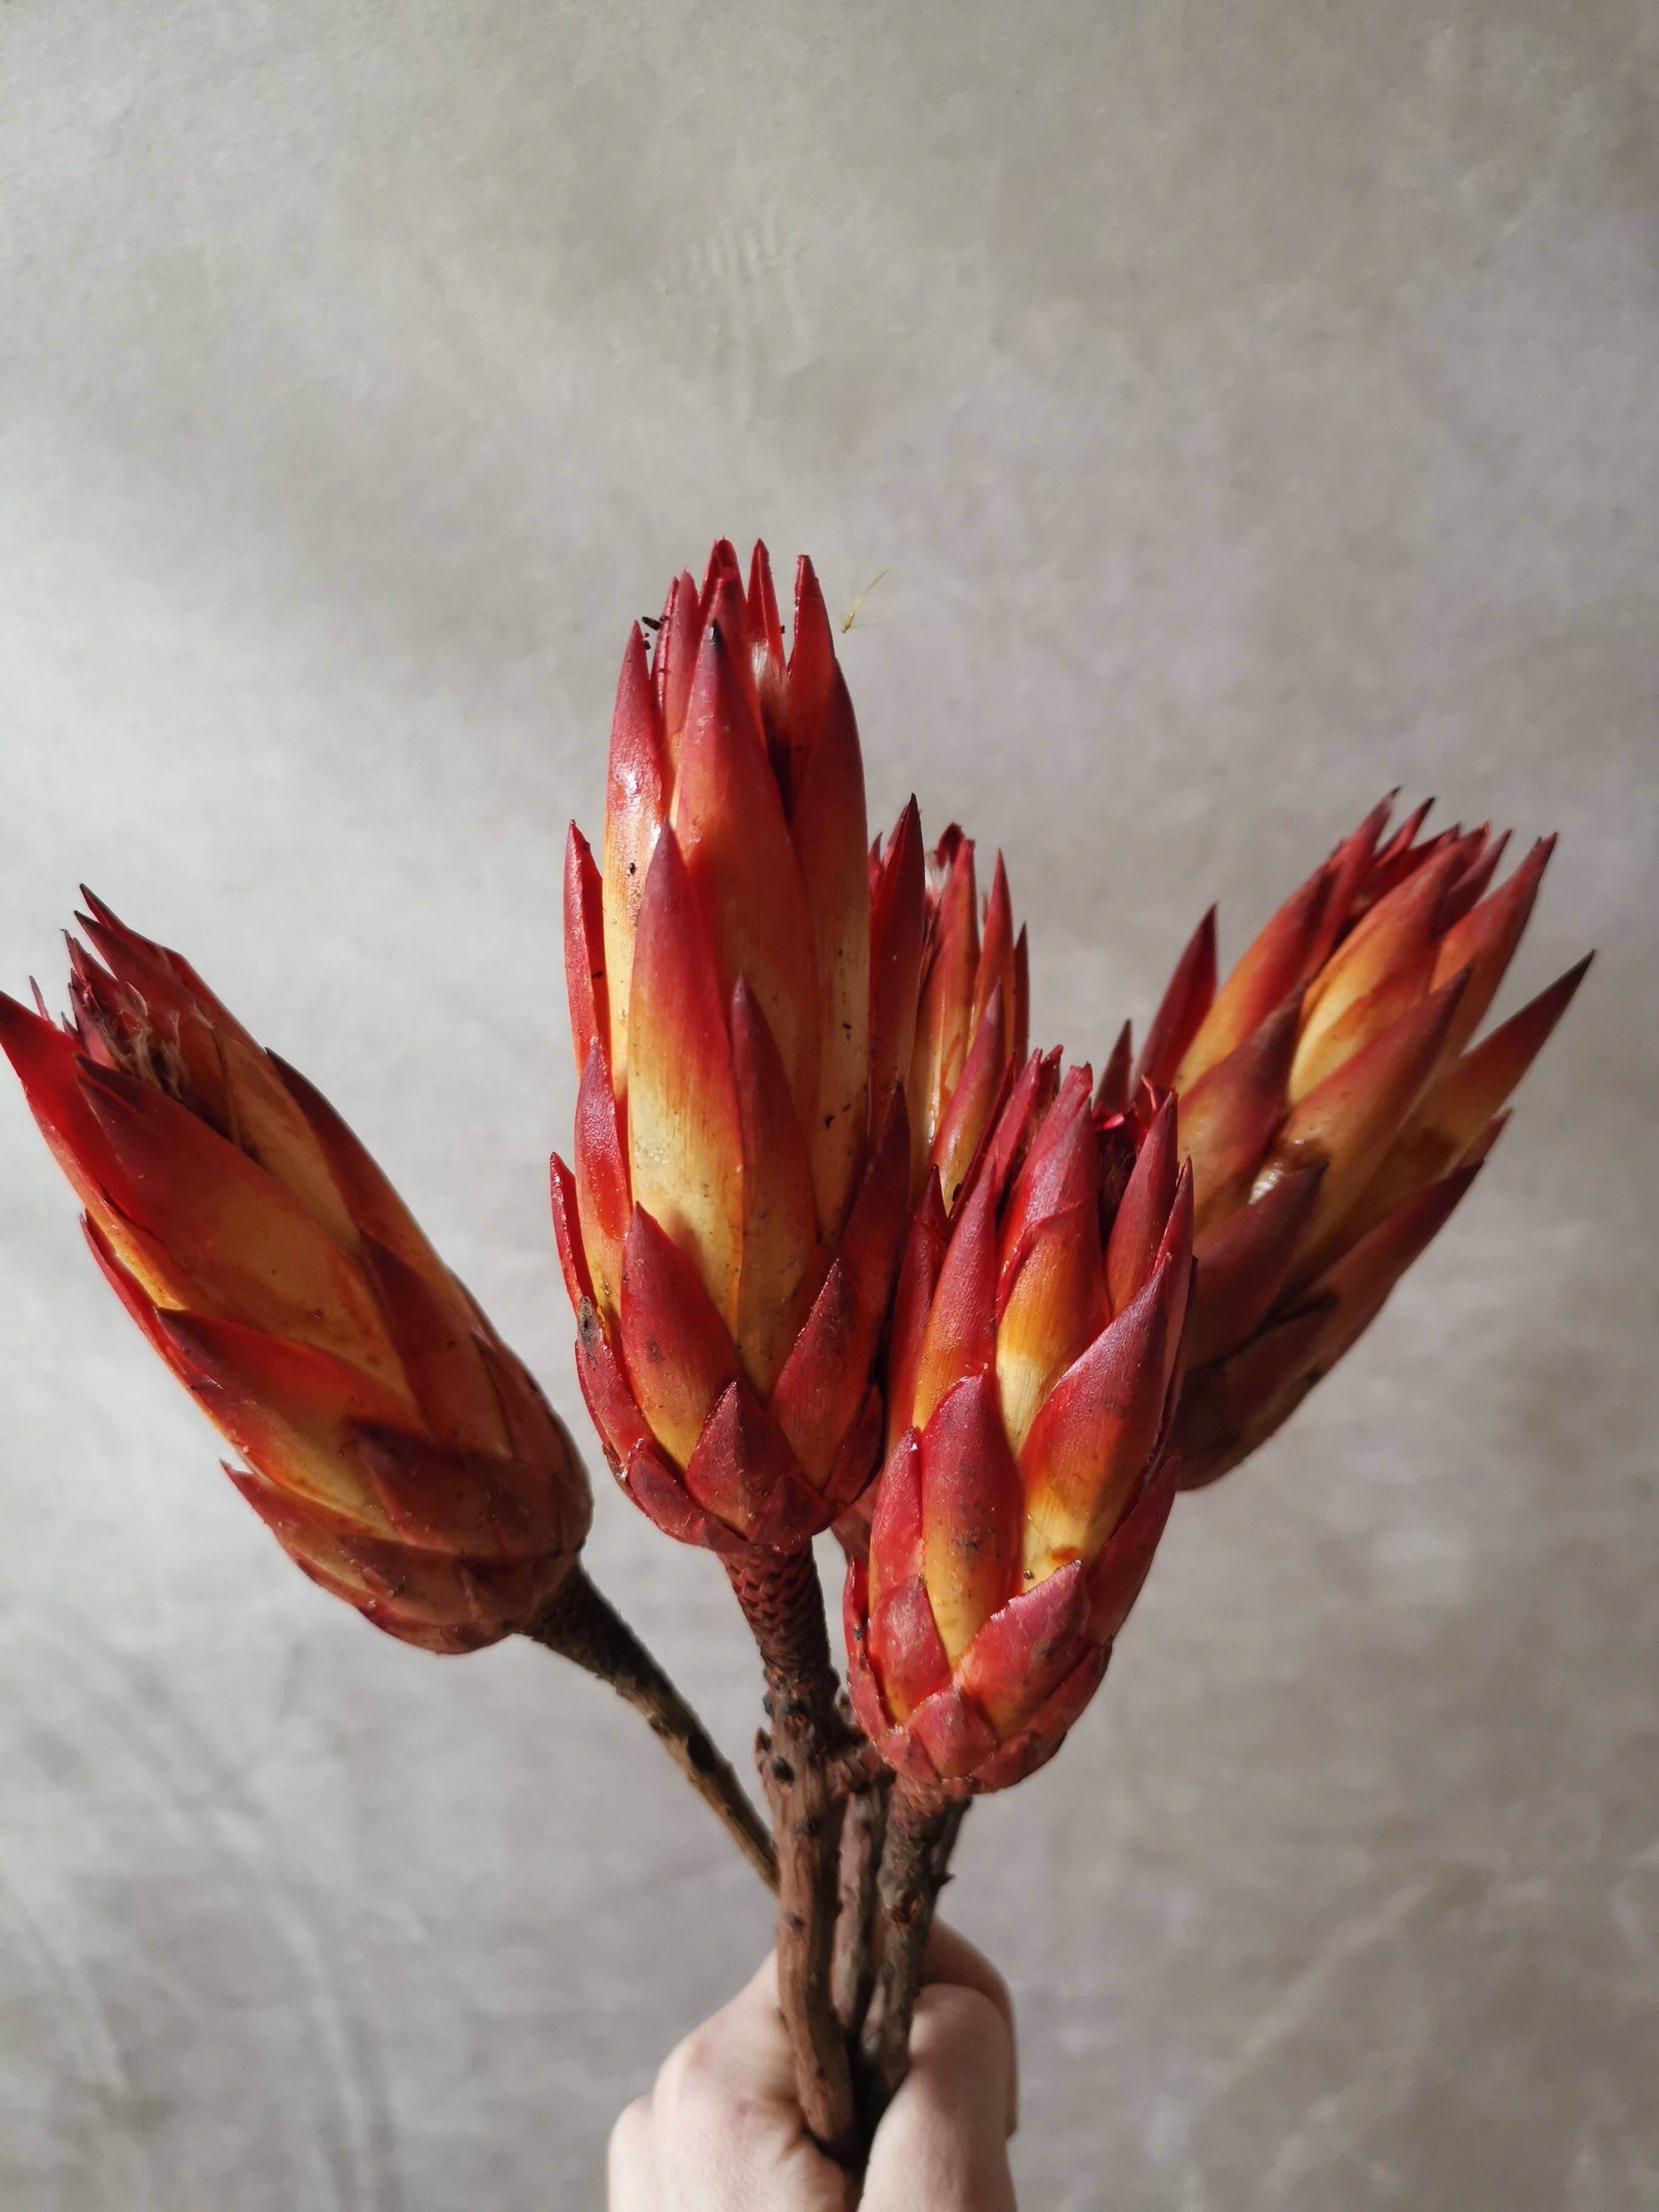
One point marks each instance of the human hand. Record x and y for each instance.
(721, 2132)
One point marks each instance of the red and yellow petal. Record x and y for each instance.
(1025, 1649)
(905, 1650)
(898, 916)
(1244, 1261)
(635, 807)
(943, 1016)
(895, 1520)
(366, 1193)
(829, 828)
(1386, 962)
(1273, 966)
(919, 1270)
(1186, 999)
(1143, 1211)
(1462, 1102)
(1055, 1307)
(584, 951)
(971, 1512)
(604, 1198)
(743, 1472)
(1484, 943)
(1228, 1117)
(440, 1349)
(729, 821)
(960, 1338)
(781, 1265)
(1352, 1119)
(236, 1244)
(673, 664)
(811, 675)
(685, 1138)
(567, 1232)
(678, 1355)
(975, 1100)
(287, 1407)
(1086, 1454)
(1118, 1574)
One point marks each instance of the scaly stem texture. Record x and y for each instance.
(922, 1831)
(581, 1625)
(800, 1764)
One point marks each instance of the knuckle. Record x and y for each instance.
(690, 2075)
(946, 2012)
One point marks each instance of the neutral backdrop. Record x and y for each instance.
(1250, 408)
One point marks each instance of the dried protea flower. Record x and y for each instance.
(1334, 1108)
(400, 1452)
(398, 1449)
(743, 1014)
(971, 1020)
(1035, 1356)
(961, 1039)
(743, 1010)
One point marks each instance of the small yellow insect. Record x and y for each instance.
(852, 614)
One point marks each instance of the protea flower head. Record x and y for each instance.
(743, 1012)
(1334, 1107)
(967, 1032)
(1036, 1361)
(397, 1448)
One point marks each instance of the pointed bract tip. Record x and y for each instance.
(722, 564)
(24, 1033)
(104, 913)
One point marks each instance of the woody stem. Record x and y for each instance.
(801, 1756)
(583, 1627)
(864, 1826)
(922, 1826)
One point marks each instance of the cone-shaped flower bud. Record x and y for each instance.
(398, 1449)
(743, 988)
(971, 1019)
(1037, 1359)
(1333, 1107)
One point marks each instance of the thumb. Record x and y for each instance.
(942, 2142)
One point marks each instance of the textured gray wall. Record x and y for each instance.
(1253, 407)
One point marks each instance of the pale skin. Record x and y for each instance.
(720, 2130)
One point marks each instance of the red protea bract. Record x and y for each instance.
(742, 1011)
(960, 1040)
(1036, 1358)
(971, 1018)
(1334, 1107)
(400, 1453)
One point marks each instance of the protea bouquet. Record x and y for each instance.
(843, 1251)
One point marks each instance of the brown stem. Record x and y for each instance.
(922, 1826)
(581, 1625)
(801, 1765)
(852, 1967)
